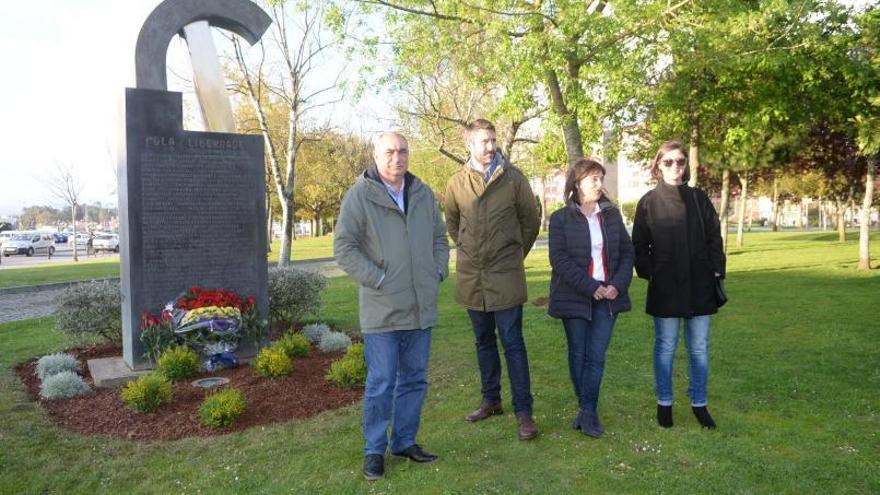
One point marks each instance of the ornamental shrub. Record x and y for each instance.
(294, 294)
(52, 364)
(89, 311)
(63, 385)
(178, 363)
(222, 408)
(315, 331)
(335, 341)
(147, 393)
(293, 344)
(273, 362)
(349, 370)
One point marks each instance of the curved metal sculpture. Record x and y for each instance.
(242, 17)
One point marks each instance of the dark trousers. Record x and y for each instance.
(587, 343)
(509, 325)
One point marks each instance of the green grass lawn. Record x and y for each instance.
(91, 268)
(795, 376)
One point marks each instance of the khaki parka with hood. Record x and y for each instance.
(494, 225)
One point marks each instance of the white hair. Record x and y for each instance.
(377, 140)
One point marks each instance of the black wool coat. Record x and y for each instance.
(681, 275)
(571, 286)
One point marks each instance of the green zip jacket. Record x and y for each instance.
(374, 238)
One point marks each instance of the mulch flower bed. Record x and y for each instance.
(301, 395)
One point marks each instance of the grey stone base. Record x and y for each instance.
(112, 372)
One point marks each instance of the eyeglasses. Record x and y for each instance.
(678, 163)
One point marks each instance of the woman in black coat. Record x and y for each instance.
(679, 250)
(592, 259)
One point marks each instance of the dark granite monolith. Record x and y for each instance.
(192, 209)
(192, 205)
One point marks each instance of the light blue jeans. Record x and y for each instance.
(696, 334)
(397, 372)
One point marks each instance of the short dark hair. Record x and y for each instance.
(666, 147)
(479, 124)
(581, 168)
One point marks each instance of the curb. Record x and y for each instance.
(23, 289)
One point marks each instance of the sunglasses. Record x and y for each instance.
(678, 163)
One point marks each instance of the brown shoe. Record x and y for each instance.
(527, 428)
(484, 411)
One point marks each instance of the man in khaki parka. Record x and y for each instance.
(391, 239)
(492, 216)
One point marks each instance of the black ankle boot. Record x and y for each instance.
(703, 417)
(664, 416)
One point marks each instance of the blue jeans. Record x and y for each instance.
(509, 324)
(397, 371)
(587, 342)
(696, 335)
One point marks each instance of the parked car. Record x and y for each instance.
(59, 238)
(106, 242)
(29, 243)
(81, 240)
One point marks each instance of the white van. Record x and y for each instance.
(29, 243)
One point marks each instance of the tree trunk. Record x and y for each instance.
(571, 131)
(722, 208)
(865, 224)
(73, 222)
(320, 223)
(841, 220)
(694, 153)
(543, 196)
(268, 225)
(775, 214)
(286, 231)
(744, 184)
(806, 215)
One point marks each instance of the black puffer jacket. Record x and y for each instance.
(681, 271)
(571, 286)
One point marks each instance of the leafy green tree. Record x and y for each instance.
(327, 167)
(570, 57)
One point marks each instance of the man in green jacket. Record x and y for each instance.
(391, 239)
(492, 216)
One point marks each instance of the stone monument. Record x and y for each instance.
(192, 204)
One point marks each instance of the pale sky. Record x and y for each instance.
(65, 66)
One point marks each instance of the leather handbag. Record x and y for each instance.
(720, 291)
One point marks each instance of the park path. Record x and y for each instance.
(39, 301)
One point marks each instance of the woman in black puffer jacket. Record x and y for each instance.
(592, 260)
(679, 250)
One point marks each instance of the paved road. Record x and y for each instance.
(63, 254)
(27, 305)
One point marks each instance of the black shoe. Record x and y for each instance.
(664, 416)
(374, 466)
(703, 417)
(417, 454)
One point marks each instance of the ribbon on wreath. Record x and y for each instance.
(222, 360)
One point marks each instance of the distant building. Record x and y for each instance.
(626, 180)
